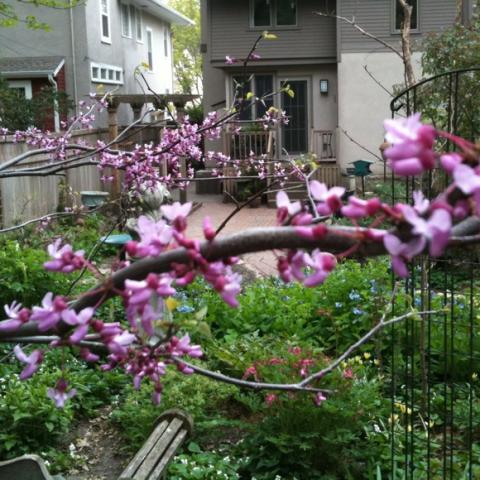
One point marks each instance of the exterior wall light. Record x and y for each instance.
(323, 87)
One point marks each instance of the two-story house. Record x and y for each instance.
(100, 42)
(340, 77)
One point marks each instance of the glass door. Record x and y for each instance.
(295, 134)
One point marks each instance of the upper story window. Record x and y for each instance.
(150, 49)
(132, 22)
(126, 20)
(273, 13)
(105, 21)
(399, 16)
(165, 40)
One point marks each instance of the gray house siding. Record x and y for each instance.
(313, 40)
(376, 17)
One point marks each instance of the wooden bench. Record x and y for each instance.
(172, 428)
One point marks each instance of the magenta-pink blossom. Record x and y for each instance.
(466, 179)
(450, 161)
(49, 314)
(17, 316)
(403, 252)
(180, 347)
(412, 150)
(322, 263)
(80, 320)
(33, 361)
(436, 229)
(230, 60)
(358, 208)
(285, 208)
(154, 237)
(330, 199)
(208, 230)
(177, 214)
(59, 394)
(319, 399)
(64, 259)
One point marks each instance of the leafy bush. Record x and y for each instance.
(22, 276)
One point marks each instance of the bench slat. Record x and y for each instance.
(159, 449)
(168, 455)
(132, 467)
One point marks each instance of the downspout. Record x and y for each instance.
(74, 57)
(56, 113)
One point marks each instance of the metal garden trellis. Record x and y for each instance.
(434, 362)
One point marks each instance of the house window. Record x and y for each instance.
(150, 49)
(105, 21)
(165, 40)
(100, 73)
(259, 85)
(273, 13)
(22, 87)
(126, 20)
(399, 16)
(139, 26)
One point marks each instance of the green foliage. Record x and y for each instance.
(31, 422)
(200, 397)
(331, 315)
(197, 464)
(19, 113)
(22, 276)
(187, 59)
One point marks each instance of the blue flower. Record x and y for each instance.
(373, 287)
(357, 311)
(353, 295)
(185, 309)
(418, 301)
(338, 305)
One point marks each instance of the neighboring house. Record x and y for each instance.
(326, 61)
(100, 42)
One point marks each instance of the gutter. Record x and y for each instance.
(74, 57)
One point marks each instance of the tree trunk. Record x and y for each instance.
(407, 43)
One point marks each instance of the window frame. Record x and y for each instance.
(166, 42)
(25, 84)
(139, 23)
(126, 8)
(103, 38)
(252, 77)
(273, 17)
(113, 69)
(394, 28)
(151, 66)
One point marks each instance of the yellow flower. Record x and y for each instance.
(269, 36)
(376, 362)
(409, 428)
(474, 377)
(409, 411)
(367, 355)
(393, 418)
(171, 304)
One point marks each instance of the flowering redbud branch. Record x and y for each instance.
(362, 341)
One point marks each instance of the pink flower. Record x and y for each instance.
(319, 398)
(436, 229)
(250, 372)
(181, 347)
(230, 60)
(208, 230)
(348, 373)
(285, 208)
(254, 56)
(466, 179)
(17, 316)
(402, 252)
(154, 237)
(358, 208)
(322, 264)
(59, 394)
(450, 161)
(140, 292)
(81, 320)
(50, 313)
(270, 399)
(33, 361)
(64, 259)
(177, 214)
(412, 150)
(331, 199)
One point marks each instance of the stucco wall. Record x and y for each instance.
(363, 104)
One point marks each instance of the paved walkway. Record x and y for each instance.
(263, 263)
